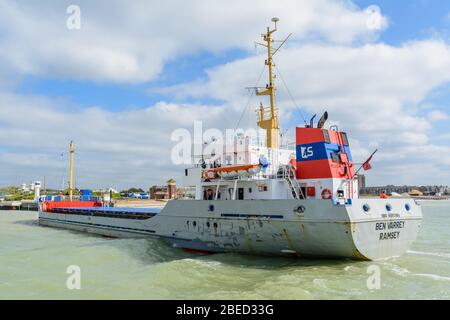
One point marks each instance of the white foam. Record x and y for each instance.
(403, 272)
(432, 276)
(203, 263)
(434, 254)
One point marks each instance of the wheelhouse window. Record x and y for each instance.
(326, 136)
(344, 139)
(335, 157)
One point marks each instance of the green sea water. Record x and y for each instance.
(34, 262)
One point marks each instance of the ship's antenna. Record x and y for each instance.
(268, 117)
(72, 151)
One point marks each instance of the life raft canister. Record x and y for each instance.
(326, 194)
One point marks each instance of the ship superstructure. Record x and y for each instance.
(265, 199)
(318, 167)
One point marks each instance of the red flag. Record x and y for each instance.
(366, 165)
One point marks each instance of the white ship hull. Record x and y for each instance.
(268, 227)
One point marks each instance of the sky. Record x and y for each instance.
(119, 78)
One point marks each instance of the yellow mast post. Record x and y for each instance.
(268, 117)
(72, 151)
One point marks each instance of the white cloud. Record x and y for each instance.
(445, 136)
(130, 42)
(437, 115)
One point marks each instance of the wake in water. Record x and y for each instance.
(404, 272)
(433, 254)
(432, 276)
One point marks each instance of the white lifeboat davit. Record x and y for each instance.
(246, 170)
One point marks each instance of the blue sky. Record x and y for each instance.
(113, 70)
(412, 20)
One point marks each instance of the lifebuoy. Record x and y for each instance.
(210, 174)
(326, 194)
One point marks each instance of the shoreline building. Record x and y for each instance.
(166, 192)
(361, 181)
(411, 190)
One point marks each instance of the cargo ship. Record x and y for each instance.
(264, 199)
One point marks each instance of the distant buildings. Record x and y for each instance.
(415, 193)
(108, 191)
(164, 192)
(26, 189)
(411, 190)
(31, 188)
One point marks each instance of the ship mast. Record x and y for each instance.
(267, 116)
(72, 151)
